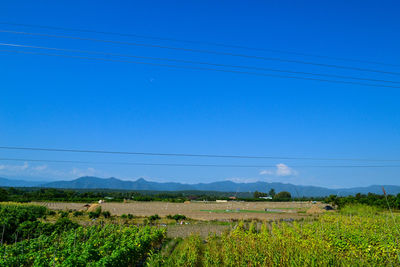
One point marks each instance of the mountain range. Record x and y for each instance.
(89, 182)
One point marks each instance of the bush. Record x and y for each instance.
(130, 216)
(64, 224)
(85, 246)
(106, 214)
(124, 216)
(13, 215)
(77, 213)
(51, 212)
(177, 217)
(95, 214)
(34, 229)
(154, 217)
(63, 214)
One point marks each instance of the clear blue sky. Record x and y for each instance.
(83, 104)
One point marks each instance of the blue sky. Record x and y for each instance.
(84, 104)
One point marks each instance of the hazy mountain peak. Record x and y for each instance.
(91, 182)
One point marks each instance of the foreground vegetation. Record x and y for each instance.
(27, 241)
(352, 238)
(108, 245)
(357, 235)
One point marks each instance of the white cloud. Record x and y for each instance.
(266, 172)
(40, 168)
(281, 170)
(284, 170)
(15, 168)
(242, 180)
(25, 166)
(83, 172)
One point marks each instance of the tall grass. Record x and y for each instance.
(360, 210)
(333, 240)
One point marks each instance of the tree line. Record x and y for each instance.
(75, 195)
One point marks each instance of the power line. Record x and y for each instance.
(203, 51)
(201, 68)
(188, 155)
(198, 42)
(194, 62)
(195, 165)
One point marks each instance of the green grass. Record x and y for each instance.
(240, 211)
(333, 239)
(359, 209)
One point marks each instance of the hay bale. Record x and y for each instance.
(93, 207)
(315, 210)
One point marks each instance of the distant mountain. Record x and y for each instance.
(18, 183)
(223, 186)
(88, 182)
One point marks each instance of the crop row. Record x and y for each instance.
(333, 239)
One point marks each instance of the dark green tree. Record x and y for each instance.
(3, 194)
(271, 192)
(259, 194)
(284, 195)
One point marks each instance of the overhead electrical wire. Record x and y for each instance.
(189, 154)
(193, 62)
(201, 68)
(198, 42)
(195, 165)
(202, 51)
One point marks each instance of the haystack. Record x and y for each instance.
(315, 210)
(93, 207)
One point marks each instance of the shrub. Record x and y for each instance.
(85, 246)
(64, 224)
(34, 229)
(51, 213)
(77, 213)
(13, 215)
(63, 214)
(154, 217)
(106, 214)
(95, 214)
(177, 217)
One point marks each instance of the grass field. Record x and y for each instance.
(354, 237)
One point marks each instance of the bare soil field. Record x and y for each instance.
(202, 210)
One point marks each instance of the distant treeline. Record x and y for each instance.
(369, 199)
(91, 195)
(27, 194)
